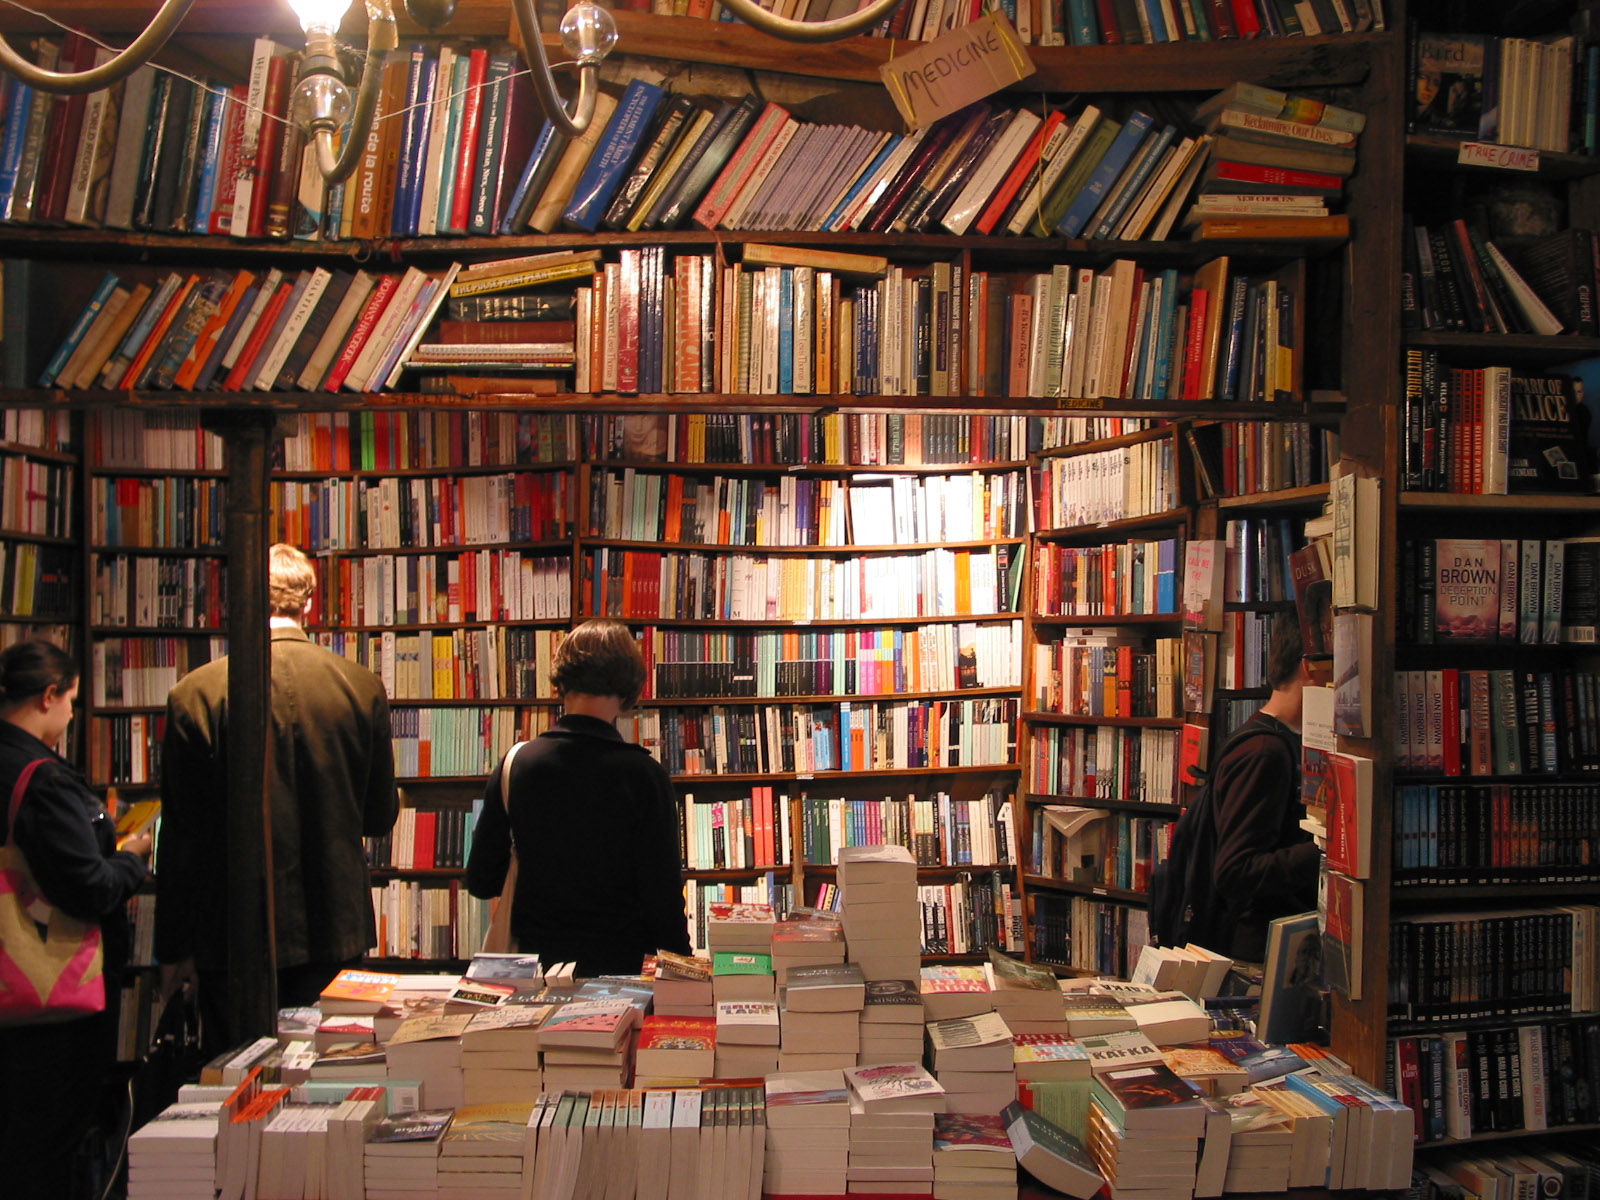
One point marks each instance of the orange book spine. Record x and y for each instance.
(137, 366)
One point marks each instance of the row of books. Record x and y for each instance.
(1492, 430)
(493, 663)
(863, 735)
(737, 833)
(810, 662)
(1497, 721)
(1094, 935)
(38, 581)
(1494, 833)
(406, 512)
(1256, 563)
(32, 428)
(863, 510)
(418, 920)
(139, 672)
(455, 742)
(1454, 277)
(938, 829)
(652, 585)
(1508, 590)
(151, 591)
(1242, 458)
(1097, 486)
(771, 889)
(122, 438)
(1105, 762)
(862, 439)
(177, 511)
(125, 749)
(1107, 676)
(1529, 1077)
(1103, 849)
(424, 441)
(424, 839)
(37, 497)
(1116, 579)
(426, 589)
(1502, 1167)
(1512, 90)
(1458, 967)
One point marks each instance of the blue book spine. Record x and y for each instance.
(1167, 577)
(1158, 23)
(419, 159)
(206, 197)
(1116, 158)
(445, 207)
(202, 381)
(831, 224)
(1162, 383)
(1081, 19)
(79, 328)
(333, 210)
(405, 168)
(1135, 185)
(618, 144)
(1230, 362)
(17, 110)
(786, 331)
(540, 148)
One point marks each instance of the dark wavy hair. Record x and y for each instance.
(32, 667)
(600, 658)
(1285, 650)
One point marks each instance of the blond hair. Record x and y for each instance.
(290, 581)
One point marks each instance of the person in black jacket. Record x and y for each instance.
(1266, 865)
(51, 1075)
(594, 821)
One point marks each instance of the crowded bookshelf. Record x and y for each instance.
(950, 477)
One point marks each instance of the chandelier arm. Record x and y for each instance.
(811, 31)
(337, 168)
(124, 63)
(571, 123)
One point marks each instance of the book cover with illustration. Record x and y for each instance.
(1340, 913)
(892, 1084)
(1447, 84)
(424, 1125)
(1349, 824)
(970, 1135)
(1550, 447)
(678, 1033)
(1149, 1098)
(1466, 589)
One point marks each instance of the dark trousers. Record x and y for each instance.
(52, 1079)
(298, 987)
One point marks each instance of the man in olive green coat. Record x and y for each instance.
(331, 781)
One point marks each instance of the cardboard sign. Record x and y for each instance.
(1490, 154)
(949, 73)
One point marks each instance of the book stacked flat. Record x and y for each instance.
(955, 990)
(1048, 1056)
(1207, 1070)
(1028, 997)
(340, 1030)
(675, 1050)
(1145, 1165)
(401, 1158)
(820, 1019)
(972, 1158)
(808, 1133)
(428, 1049)
(972, 1058)
(523, 971)
(741, 928)
(742, 976)
(1260, 1155)
(175, 1154)
(588, 1044)
(882, 920)
(1169, 1018)
(747, 1038)
(892, 1022)
(806, 938)
(1051, 1154)
(351, 1062)
(500, 1053)
(682, 986)
(1091, 1013)
(1278, 161)
(892, 1109)
(1117, 1051)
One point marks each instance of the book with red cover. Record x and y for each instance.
(275, 104)
(362, 331)
(1350, 815)
(1149, 1098)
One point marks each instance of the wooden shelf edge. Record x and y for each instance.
(1553, 502)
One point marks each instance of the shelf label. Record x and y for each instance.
(1080, 402)
(1489, 154)
(978, 59)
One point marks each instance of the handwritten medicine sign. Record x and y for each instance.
(952, 71)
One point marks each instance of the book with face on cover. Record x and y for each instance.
(892, 1002)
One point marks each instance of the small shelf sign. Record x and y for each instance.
(1505, 158)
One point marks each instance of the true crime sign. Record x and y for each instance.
(950, 72)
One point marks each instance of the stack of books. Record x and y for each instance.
(808, 1133)
(428, 1049)
(1027, 996)
(892, 1022)
(892, 1111)
(174, 1156)
(1145, 1126)
(1052, 1154)
(1206, 1070)
(806, 937)
(674, 1050)
(747, 1038)
(972, 1057)
(1277, 167)
(682, 986)
(882, 920)
(402, 1154)
(482, 1151)
(741, 928)
(972, 1158)
(500, 1054)
(955, 990)
(588, 1044)
(742, 976)
(820, 1020)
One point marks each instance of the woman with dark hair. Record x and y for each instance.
(594, 822)
(51, 1074)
